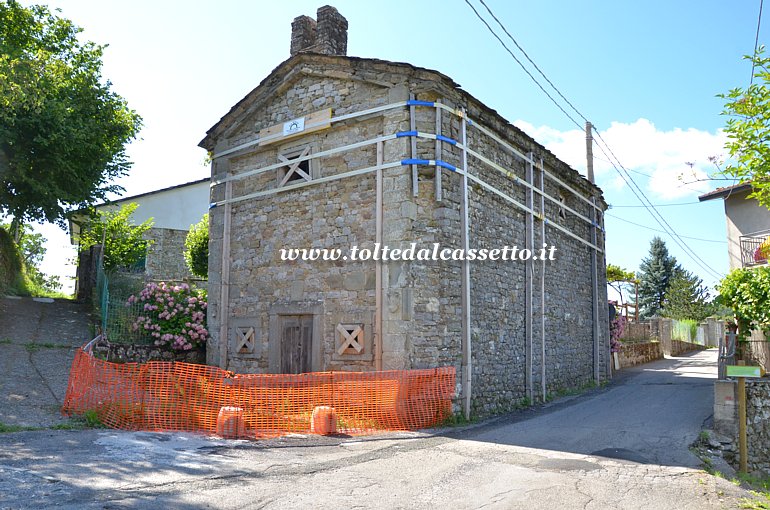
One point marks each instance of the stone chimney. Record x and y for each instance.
(328, 35)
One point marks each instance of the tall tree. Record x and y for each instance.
(656, 273)
(687, 298)
(62, 129)
(748, 130)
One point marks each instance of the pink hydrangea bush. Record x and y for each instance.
(173, 315)
(617, 327)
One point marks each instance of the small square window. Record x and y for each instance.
(562, 204)
(294, 171)
(350, 339)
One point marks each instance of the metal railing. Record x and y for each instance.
(755, 248)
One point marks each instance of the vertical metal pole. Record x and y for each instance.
(378, 270)
(542, 284)
(742, 446)
(224, 301)
(529, 241)
(466, 282)
(438, 155)
(594, 269)
(589, 152)
(595, 297)
(413, 145)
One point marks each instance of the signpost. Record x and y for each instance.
(742, 372)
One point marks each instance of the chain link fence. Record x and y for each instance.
(116, 315)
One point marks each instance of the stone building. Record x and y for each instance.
(334, 152)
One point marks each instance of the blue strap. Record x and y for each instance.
(212, 205)
(402, 134)
(446, 165)
(446, 139)
(417, 102)
(415, 161)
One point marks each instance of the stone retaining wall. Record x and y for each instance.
(139, 353)
(636, 354)
(757, 421)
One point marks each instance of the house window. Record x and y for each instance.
(294, 171)
(562, 204)
(350, 339)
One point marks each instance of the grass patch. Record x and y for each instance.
(761, 501)
(34, 347)
(88, 420)
(574, 390)
(4, 429)
(5, 341)
(458, 420)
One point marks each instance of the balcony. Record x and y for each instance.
(755, 248)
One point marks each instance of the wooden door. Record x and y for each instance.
(296, 342)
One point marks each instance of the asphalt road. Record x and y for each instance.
(38, 340)
(625, 446)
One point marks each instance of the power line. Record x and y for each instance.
(663, 231)
(657, 216)
(531, 61)
(613, 206)
(756, 42)
(522, 65)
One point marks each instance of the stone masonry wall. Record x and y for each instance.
(637, 354)
(757, 422)
(422, 314)
(165, 256)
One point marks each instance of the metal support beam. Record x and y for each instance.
(466, 280)
(529, 241)
(543, 386)
(413, 145)
(437, 180)
(378, 270)
(224, 296)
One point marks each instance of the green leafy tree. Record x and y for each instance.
(31, 246)
(687, 298)
(196, 248)
(748, 130)
(124, 243)
(618, 278)
(656, 272)
(747, 293)
(62, 129)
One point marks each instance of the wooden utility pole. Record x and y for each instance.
(589, 152)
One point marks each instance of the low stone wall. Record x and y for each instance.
(140, 353)
(678, 347)
(636, 354)
(757, 422)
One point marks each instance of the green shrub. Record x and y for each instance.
(196, 248)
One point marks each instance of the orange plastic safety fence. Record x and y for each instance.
(169, 396)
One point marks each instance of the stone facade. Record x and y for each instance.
(165, 256)
(422, 312)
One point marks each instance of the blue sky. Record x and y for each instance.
(645, 73)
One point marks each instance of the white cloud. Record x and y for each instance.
(674, 159)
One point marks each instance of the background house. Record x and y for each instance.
(748, 223)
(331, 151)
(173, 210)
(748, 226)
